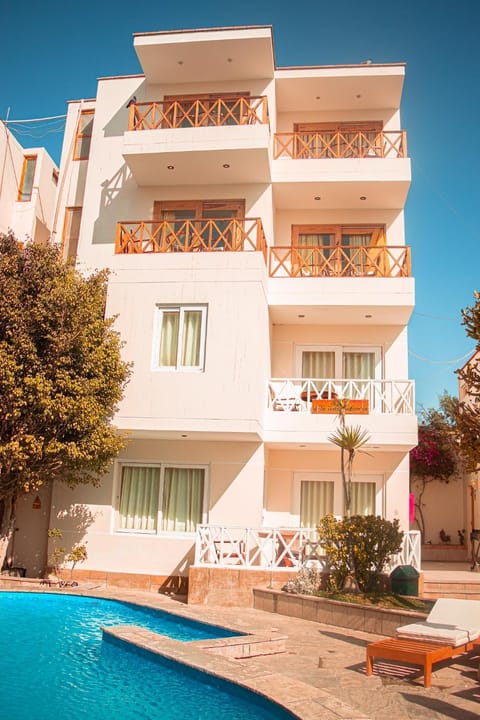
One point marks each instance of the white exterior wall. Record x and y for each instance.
(218, 418)
(234, 490)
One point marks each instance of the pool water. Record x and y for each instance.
(55, 665)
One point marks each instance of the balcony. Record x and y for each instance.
(199, 112)
(340, 261)
(354, 168)
(331, 396)
(304, 412)
(201, 139)
(199, 235)
(342, 144)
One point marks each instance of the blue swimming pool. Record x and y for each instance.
(55, 665)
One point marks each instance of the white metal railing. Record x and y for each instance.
(381, 397)
(277, 548)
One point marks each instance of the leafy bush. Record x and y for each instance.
(358, 546)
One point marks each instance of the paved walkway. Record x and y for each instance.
(332, 660)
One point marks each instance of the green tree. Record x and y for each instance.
(467, 413)
(437, 456)
(350, 440)
(61, 375)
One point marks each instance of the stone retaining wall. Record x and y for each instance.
(378, 621)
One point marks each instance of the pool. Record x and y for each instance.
(54, 665)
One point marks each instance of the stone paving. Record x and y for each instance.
(329, 662)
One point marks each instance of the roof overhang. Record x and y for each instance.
(223, 54)
(355, 87)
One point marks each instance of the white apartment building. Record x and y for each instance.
(28, 186)
(252, 219)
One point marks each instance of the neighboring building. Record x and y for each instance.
(471, 480)
(28, 187)
(252, 218)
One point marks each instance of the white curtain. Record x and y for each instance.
(169, 338)
(182, 502)
(359, 365)
(318, 364)
(316, 500)
(139, 498)
(192, 331)
(363, 498)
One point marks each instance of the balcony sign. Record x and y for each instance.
(350, 407)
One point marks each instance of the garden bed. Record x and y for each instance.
(355, 616)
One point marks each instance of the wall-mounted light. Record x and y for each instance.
(37, 503)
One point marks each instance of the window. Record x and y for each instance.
(83, 137)
(338, 140)
(211, 224)
(166, 498)
(363, 498)
(316, 494)
(179, 342)
(181, 111)
(26, 181)
(348, 363)
(338, 250)
(71, 231)
(316, 501)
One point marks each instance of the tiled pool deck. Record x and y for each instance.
(321, 674)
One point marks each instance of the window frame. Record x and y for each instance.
(160, 308)
(162, 466)
(21, 190)
(339, 351)
(67, 223)
(378, 231)
(80, 135)
(338, 496)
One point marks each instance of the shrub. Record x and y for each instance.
(358, 546)
(306, 582)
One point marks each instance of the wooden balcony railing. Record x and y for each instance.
(201, 112)
(358, 396)
(340, 261)
(201, 235)
(313, 145)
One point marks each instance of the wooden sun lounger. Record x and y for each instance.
(415, 652)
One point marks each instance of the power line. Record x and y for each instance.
(437, 317)
(440, 362)
(33, 120)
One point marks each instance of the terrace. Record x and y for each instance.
(238, 234)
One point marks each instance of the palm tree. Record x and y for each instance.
(349, 440)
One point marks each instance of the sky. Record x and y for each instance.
(54, 51)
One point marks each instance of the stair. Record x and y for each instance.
(464, 589)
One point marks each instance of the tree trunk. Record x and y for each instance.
(7, 525)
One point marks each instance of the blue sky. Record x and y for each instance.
(54, 51)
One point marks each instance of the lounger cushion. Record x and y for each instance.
(438, 633)
(456, 612)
